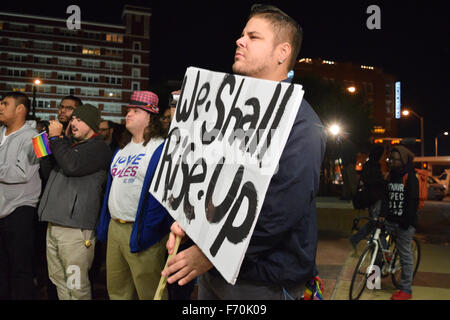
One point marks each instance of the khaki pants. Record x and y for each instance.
(132, 276)
(69, 259)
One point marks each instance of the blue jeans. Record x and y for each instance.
(403, 240)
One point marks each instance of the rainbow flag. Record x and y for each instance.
(41, 146)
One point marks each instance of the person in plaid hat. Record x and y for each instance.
(135, 224)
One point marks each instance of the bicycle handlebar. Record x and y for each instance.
(380, 223)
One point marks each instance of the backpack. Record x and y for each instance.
(422, 176)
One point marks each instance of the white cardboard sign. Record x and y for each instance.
(223, 148)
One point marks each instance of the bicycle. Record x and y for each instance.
(387, 259)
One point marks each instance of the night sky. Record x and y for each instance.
(413, 43)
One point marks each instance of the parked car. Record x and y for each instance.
(436, 190)
(444, 179)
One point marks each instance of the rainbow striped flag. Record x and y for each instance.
(41, 146)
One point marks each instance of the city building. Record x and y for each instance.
(100, 63)
(378, 88)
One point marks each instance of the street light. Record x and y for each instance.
(436, 142)
(334, 129)
(36, 82)
(422, 143)
(351, 89)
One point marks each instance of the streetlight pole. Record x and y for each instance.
(436, 143)
(34, 102)
(422, 142)
(35, 83)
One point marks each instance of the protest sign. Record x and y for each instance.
(223, 148)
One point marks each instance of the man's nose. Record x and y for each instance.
(240, 42)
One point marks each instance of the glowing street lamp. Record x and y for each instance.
(406, 113)
(334, 129)
(351, 89)
(436, 142)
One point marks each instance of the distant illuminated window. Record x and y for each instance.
(91, 51)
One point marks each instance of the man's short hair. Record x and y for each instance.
(77, 100)
(286, 29)
(21, 98)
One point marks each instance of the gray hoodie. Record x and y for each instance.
(20, 184)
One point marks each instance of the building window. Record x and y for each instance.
(135, 86)
(1, 25)
(18, 27)
(90, 64)
(17, 58)
(43, 104)
(113, 37)
(94, 35)
(89, 78)
(67, 48)
(113, 66)
(66, 61)
(16, 72)
(41, 29)
(113, 53)
(137, 45)
(44, 89)
(91, 51)
(89, 92)
(112, 93)
(136, 59)
(42, 74)
(42, 60)
(388, 106)
(43, 45)
(65, 90)
(136, 73)
(16, 43)
(15, 87)
(69, 33)
(66, 76)
(388, 89)
(112, 108)
(113, 80)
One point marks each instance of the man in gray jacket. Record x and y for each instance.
(20, 187)
(72, 199)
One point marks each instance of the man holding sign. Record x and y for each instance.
(281, 252)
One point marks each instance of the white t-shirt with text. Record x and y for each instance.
(128, 170)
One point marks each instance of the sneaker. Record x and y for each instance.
(401, 295)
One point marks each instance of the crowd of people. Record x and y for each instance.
(94, 188)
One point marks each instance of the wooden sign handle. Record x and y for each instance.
(163, 280)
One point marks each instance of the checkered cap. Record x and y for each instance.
(145, 100)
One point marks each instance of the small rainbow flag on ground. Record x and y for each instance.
(41, 146)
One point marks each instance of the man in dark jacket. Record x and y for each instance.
(72, 199)
(373, 180)
(400, 209)
(281, 254)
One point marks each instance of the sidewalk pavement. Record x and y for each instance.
(336, 260)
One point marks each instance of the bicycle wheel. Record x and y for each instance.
(359, 279)
(397, 272)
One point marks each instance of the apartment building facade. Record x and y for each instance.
(377, 87)
(100, 63)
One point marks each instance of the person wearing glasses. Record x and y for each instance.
(65, 109)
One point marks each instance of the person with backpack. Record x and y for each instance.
(375, 185)
(399, 208)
